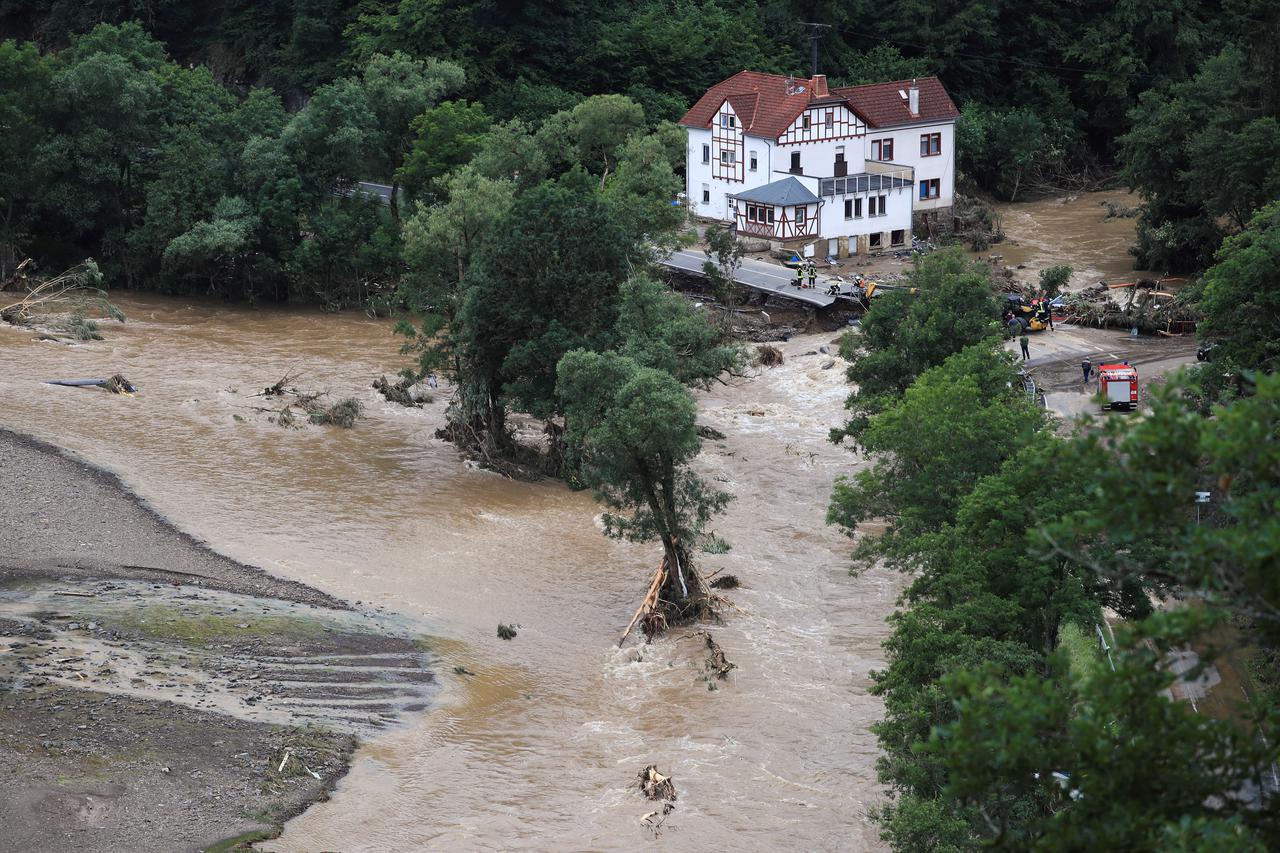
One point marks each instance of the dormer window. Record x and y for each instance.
(829, 120)
(727, 120)
(807, 121)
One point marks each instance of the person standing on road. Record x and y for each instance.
(1087, 367)
(1024, 342)
(813, 275)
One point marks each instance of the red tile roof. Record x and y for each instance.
(880, 105)
(765, 109)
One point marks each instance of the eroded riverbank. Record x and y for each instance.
(157, 695)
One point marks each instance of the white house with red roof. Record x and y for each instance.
(850, 170)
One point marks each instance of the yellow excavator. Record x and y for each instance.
(1030, 316)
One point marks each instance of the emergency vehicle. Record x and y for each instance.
(1118, 386)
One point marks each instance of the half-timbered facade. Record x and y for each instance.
(874, 157)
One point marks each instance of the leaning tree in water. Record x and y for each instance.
(631, 431)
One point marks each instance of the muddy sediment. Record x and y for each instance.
(155, 695)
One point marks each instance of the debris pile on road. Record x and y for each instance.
(1142, 306)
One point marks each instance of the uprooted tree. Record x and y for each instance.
(633, 433)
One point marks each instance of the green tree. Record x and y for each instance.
(398, 88)
(633, 429)
(440, 243)
(25, 91)
(1240, 300)
(724, 257)
(659, 330)
(1210, 172)
(1054, 279)
(972, 401)
(446, 137)
(545, 283)
(905, 332)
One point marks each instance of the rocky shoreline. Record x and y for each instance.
(156, 695)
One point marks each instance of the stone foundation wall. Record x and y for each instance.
(942, 218)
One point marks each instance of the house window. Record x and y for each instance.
(801, 211)
(876, 205)
(728, 157)
(753, 161)
(829, 120)
(706, 154)
(930, 188)
(873, 241)
(857, 208)
(706, 194)
(930, 144)
(848, 208)
(770, 215)
(795, 163)
(897, 238)
(727, 120)
(807, 121)
(882, 149)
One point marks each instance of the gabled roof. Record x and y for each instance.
(767, 104)
(771, 109)
(784, 192)
(882, 105)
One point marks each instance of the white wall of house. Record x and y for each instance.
(703, 176)
(886, 213)
(818, 147)
(906, 152)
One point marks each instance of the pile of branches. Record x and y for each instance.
(768, 355)
(60, 305)
(309, 406)
(1141, 306)
(397, 392)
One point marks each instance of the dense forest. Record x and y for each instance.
(197, 147)
(1057, 573)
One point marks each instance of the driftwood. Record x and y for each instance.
(396, 393)
(716, 664)
(768, 356)
(654, 785)
(650, 600)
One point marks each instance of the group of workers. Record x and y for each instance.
(807, 269)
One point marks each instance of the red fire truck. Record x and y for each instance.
(1118, 386)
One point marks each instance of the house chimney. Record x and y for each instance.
(818, 86)
(913, 98)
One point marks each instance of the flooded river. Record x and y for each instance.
(535, 750)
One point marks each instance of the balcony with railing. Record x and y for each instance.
(878, 177)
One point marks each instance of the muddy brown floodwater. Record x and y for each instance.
(1074, 230)
(536, 749)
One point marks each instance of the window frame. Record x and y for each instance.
(930, 189)
(706, 154)
(930, 144)
(882, 150)
(829, 120)
(898, 237)
(848, 208)
(754, 161)
(706, 194)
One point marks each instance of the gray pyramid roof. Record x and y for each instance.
(784, 192)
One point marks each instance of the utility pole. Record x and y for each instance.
(815, 33)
